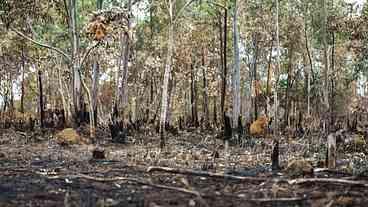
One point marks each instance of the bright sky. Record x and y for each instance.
(358, 4)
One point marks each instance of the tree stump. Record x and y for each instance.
(331, 151)
(275, 156)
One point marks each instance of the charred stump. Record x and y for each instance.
(275, 156)
(227, 127)
(181, 127)
(31, 124)
(240, 127)
(118, 132)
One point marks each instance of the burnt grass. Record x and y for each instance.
(36, 171)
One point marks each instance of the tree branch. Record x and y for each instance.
(182, 9)
(87, 53)
(42, 44)
(203, 174)
(328, 181)
(216, 4)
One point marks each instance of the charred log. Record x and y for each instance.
(227, 127)
(118, 132)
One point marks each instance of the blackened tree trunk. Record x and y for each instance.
(255, 77)
(95, 78)
(193, 97)
(22, 87)
(275, 151)
(236, 74)
(41, 106)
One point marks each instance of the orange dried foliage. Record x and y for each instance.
(98, 29)
(258, 127)
(70, 136)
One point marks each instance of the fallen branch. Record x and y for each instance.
(88, 52)
(331, 171)
(328, 180)
(272, 200)
(133, 180)
(203, 173)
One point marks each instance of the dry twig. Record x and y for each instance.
(134, 181)
(203, 173)
(329, 181)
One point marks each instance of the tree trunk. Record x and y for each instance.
(193, 97)
(222, 67)
(288, 85)
(224, 75)
(22, 87)
(255, 77)
(75, 69)
(275, 154)
(124, 86)
(215, 111)
(307, 47)
(121, 97)
(171, 91)
(275, 122)
(236, 75)
(325, 62)
(331, 151)
(65, 100)
(95, 78)
(99, 4)
(42, 113)
(205, 93)
(268, 85)
(11, 104)
(170, 49)
(332, 101)
(332, 107)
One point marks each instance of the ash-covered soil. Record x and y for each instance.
(37, 171)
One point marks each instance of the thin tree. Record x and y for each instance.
(236, 74)
(275, 151)
(168, 65)
(325, 63)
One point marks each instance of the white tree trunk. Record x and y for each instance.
(77, 92)
(124, 84)
(64, 99)
(325, 62)
(121, 95)
(236, 74)
(95, 80)
(275, 126)
(167, 74)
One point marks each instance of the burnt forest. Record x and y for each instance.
(183, 103)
